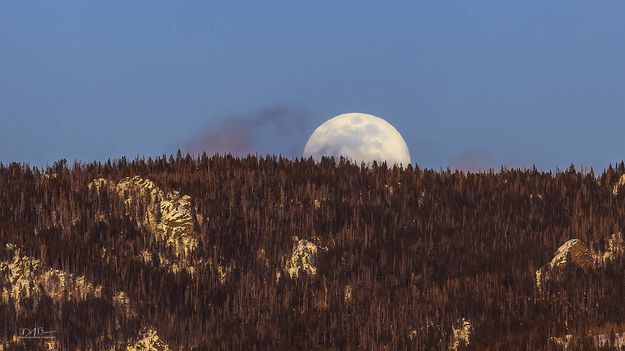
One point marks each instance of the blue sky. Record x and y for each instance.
(468, 84)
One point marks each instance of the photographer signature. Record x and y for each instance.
(36, 333)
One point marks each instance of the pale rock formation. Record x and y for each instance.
(177, 223)
(460, 334)
(121, 302)
(99, 184)
(539, 278)
(61, 285)
(53, 175)
(146, 256)
(278, 276)
(19, 279)
(563, 341)
(347, 293)
(51, 345)
(317, 203)
(175, 264)
(24, 279)
(169, 217)
(619, 184)
(574, 253)
(615, 247)
(599, 340)
(303, 258)
(17, 343)
(538, 196)
(148, 341)
(223, 272)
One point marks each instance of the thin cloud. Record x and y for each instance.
(240, 135)
(473, 161)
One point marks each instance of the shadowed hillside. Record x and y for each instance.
(269, 253)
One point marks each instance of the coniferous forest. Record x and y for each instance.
(268, 253)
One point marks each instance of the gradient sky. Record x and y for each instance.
(468, 84)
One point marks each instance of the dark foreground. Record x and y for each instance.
(243, 254)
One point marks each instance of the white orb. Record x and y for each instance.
(359, 137)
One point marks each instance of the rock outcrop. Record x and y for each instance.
(615, 247)
(600, 340)
(148, 341)
(303, 258)
(169, 217)
(121, 302)
(574, 253)
(460, 334)
(24, 281)
(317, 204)
(619, 184)
(347, 293)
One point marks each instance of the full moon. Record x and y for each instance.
(359, 137)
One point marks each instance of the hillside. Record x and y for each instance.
(270, 253)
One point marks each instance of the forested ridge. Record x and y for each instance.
(296, 254)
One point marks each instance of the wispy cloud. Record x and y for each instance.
(241, 135)
(473, 161)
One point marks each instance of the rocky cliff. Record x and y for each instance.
(169, 217)
(303, 258)
(461, 334)
(148, 340)
(575, 254)
(25, 281)
(612, 341)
